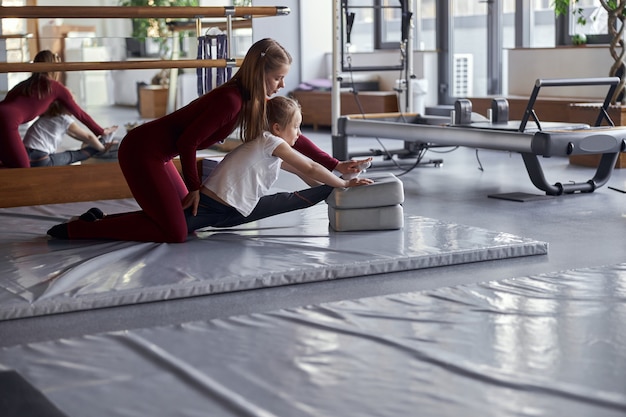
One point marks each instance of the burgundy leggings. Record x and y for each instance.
(158, 189)
(12, 151)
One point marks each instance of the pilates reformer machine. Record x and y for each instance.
(539, 139)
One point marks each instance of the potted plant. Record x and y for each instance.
(156, 29)
(615, 22)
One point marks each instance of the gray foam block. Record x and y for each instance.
(361, 219)
(387, 190)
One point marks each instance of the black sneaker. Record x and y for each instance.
(92, 215)
(59, 231)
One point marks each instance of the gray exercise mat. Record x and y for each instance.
(40, 276)
(545, 345)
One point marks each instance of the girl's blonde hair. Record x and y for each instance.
(281, 110)
(39, 82)
(264, 56)
(55, 109)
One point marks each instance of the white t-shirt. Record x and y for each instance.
(246, 173)
(47, 132)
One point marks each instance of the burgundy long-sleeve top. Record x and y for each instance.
(17, 108)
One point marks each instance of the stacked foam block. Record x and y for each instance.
(377, 206)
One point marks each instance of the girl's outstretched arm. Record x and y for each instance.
(308, 181)
(306, 147)
(313, 170)
(85, 136)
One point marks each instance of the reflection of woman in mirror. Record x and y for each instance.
(26, 101)
(45, 135)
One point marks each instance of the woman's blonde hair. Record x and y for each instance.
(39, 82)
(281, 110)
(264, 56)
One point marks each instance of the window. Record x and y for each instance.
(15, 43)
(479, 34)
(359, 25)
(425, 35)
(541, 25)
(594, 17)
(389, 33)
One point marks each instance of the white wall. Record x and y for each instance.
(316, 37)
(102, 25)
(528, 65)
(285, 30)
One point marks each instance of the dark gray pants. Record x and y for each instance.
(42, 159)
(213, 213)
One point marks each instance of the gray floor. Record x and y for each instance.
(582, 230)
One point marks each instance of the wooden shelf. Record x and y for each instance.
(117, 65)
(316, 105)
(49, 185)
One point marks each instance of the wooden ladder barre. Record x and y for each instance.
(108, 12)
(6, 67)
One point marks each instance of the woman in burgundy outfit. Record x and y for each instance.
(145, 154)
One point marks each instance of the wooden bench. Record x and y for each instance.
(65, 184)
(316, 105)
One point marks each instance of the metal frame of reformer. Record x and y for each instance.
(548, 139)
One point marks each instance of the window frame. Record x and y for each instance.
(377, 23)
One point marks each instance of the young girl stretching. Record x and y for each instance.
(234, 192)
(44, 136)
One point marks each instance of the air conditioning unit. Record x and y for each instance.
(462, 75)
